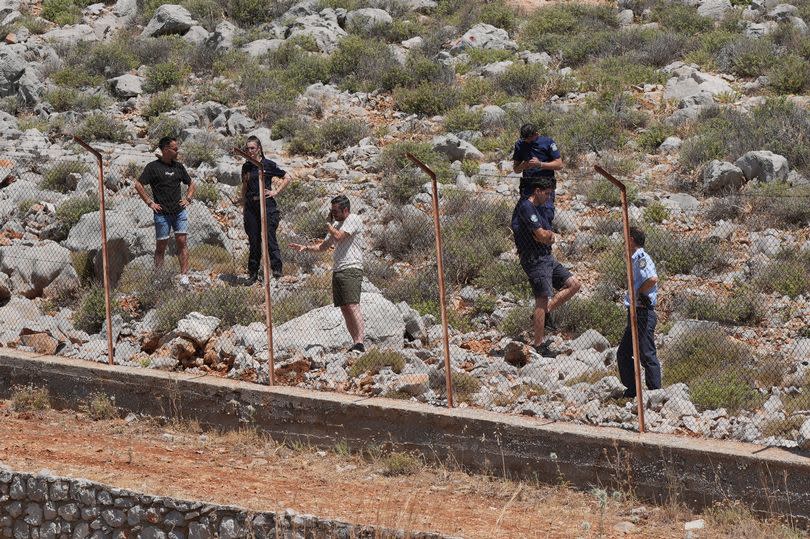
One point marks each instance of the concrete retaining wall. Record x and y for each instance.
(47, 507)
(653, 466)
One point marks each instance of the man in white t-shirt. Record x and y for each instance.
(346, 234)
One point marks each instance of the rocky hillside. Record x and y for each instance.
(699, 107)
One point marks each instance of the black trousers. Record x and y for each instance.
(647, 320)
(253, 225)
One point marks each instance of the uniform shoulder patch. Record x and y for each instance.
(554, 146)
(642, 263)
(534, 218)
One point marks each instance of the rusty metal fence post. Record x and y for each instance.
(440, 268)
(628, 259)
(104, 257)
(266, 265)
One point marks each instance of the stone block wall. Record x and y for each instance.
(46, 507)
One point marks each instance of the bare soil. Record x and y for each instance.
(248, 470)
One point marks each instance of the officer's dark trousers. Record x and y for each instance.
(253, 227)
(646, 344)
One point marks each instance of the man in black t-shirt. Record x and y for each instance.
(165, 175)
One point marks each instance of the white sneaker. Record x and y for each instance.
(184, 280)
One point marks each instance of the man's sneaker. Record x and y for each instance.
(277, 274)
(252, 278)
(629, 394)
(184, 280)
(544, 350)
(357, 347)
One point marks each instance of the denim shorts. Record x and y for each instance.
(166, 222)
(545, 274)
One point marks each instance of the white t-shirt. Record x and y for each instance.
(349, 252)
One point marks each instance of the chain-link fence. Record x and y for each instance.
(732, 311)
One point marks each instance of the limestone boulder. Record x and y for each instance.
(169, 19)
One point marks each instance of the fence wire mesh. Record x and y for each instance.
(732, 315)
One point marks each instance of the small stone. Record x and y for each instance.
(694, 525)
(625, 527)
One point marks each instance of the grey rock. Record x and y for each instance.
(69, 511)
(455, 148)
(261, 47)
(678, 407)
(609, 387)
(229, 528)
(197, 36)
(198, 327)
(680, 201)
(783, 12)
(496, 68)
(222, 37)
(126, 85)
(127, 10)
(169, 19)
(152, 532)
(414, 325)
(590, 339)
(760, 29)
(114, 518)
(542, 58)
(625, 17)
(714, 9)
(197, 530)
(485, 36)
(33, 514)
(689, 82)
(803, 440)
(32, 269)
(325, 327)
(367, 19)
(71, 34)
(12, 67)
(670, 144)
(719, 176)
(323, 28)
(763, 166)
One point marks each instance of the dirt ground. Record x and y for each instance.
(248, 470)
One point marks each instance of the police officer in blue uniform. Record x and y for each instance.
(252, 210)
(536, 156)
(645, 282)
(531, 228)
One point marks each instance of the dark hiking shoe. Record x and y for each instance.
(544, 350)
(357, 347)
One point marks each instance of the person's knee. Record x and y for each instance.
(573, 285)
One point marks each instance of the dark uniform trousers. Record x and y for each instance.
(253, 224)
(646, 319)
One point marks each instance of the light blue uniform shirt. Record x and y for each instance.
(643, 269)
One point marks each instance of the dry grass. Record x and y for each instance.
(29, 398)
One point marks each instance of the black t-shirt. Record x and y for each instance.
(165, 181)
(271, 170)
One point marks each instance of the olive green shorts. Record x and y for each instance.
(346, 285)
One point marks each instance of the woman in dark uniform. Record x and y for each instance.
(252, 211)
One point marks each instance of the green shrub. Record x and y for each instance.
(100, 406)
(161, 126)
(412, 238)
(788, 277)
(201, 149)
(63, 177)
(310, 223)
(682, 254)
(82, 262)
(618, 73)
(729, 133)
(25, 205)
(211, 258)
(656, 212)
(100, 126)
(271, 104)
(76, 77)
(418, 288)
(682, 19)
(91, 313)
(464, 386)
(426, 99)
(505, 278)
(71, 210)
(401, 464)
(158, 104)
(208, 12)
(64, 99)
(304, 300)
(482, 57)
(715, 367)
(252, 12)
(375, 360)
(333, 134)
(361, 64)
(61, 12)
(298, 191)
(473, 236)
(207, 193)
(603, 192)
(522, 80)
(220, 91)
(463, 119)
(485, 304)
(109, 58)
(743, 307)
(577, 31)
(746, 57)
(230, 304)
(518, 321)
(455, 319)
(653, 136)
(29, 398)
(401, 179)
(499, 15)
(164, 75)
(581, 131)
(150, 286)
(790, 75)
(596, 312)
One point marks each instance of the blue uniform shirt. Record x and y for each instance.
(643, 269)
(525, 220)
(544, 149)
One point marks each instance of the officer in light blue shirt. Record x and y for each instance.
(645, 282)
